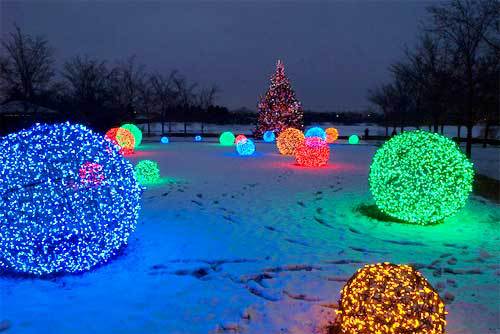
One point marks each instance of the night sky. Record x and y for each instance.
(333, 51)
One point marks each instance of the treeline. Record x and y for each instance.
(451, 76)
(95, 92)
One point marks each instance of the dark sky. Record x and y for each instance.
(333, 51)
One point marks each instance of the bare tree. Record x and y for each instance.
(26, 67)
(126, 79)
(206, 98)
(185, 97)
(380, 96)
(164, 95)
(146, 100)
(469, 27)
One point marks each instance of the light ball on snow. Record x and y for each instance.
(288, 140)
(227, 138)
(353, 139)
(147, 172)
(164, 140)
(420, 177)
(240, 138)
(69, 200)
(245, 147)
(316, 131)
(312, 152)
(389, 299)
(269, 136)
(136, 132)
(332, 135)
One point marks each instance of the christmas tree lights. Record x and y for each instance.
(245, 147)
(353, 139)
(226, 139)
(136, 132)
(147, 172)
(123, 138)
(279, 108)
(420, 177)
(386, 298)
(164, 140)
(332, 135)
(312, 152)
(68, 200)
(269, 136)
(316, 131)
(288, 140)
(240, 138)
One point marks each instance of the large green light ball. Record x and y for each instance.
(136, 132)
(147, 172)
(420, 177)
(227, 138)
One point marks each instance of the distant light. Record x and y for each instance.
(198, 138)
(353, 139)
(332, 135)
(164, 140)
(226, 138)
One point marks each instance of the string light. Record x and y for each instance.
(386, 298)
(68, 199)
(288, 140)
(226, 139)
(269, 136)
(164, 140)
(147, 172)
(136, 132)
(245, 147)
(332, 135)
(353, 139)
(312, 152)
(123, 138)
(279, 108)
(316, 131)
(240, 138)
(420, 177)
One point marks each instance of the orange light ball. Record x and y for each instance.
(332, 135)
(123, 138)
(312, 152)
(387, 298)
(288, 140)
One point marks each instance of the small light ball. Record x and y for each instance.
(332, 135)
(198, 138)
(147, 172)
(240, 138)
(136, 132)
(316, 131)
(269, 136)
(245, 147)
(91, 174)
(164, 140)
(288, 140)
(353, 139)
(420, 177)
(389, 299)
(123, 138)
(226, 138)
(68, 202)
(312, 152)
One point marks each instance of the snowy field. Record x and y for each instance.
(258, 245)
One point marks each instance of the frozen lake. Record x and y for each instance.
(258, 245)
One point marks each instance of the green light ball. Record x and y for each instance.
(353, 139)
(147, 172)
(227, 138)
(420, 177)
(136, 132)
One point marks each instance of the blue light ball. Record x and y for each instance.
(164, 140)
(269, 136)
(198, 138)
(52, 218)
(316, 131)
(245, 147)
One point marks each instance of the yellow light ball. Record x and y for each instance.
(288, 140)
(386, 298)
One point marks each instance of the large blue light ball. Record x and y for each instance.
(245, 147)
(316, 131)
(269, 136)
(164, 140)
(68, 200)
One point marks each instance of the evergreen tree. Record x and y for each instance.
(279, 108)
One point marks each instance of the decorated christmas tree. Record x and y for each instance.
(279, 108)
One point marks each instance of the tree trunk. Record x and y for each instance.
(430, 128)
(202, 127)
(185, 129)
(486, 132)
(459, 127)
(387, 131)
(468, 146)
(442, 128)
(162, 122)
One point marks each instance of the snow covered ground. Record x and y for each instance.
(258, 245)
